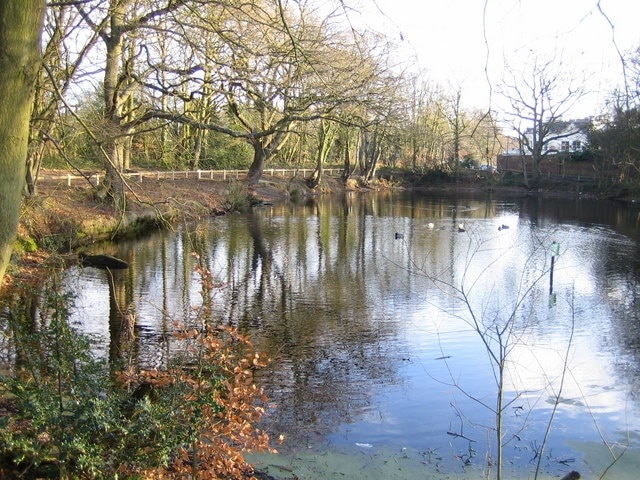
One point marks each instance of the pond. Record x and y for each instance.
(387, 317)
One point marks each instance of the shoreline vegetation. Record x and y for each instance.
(61, 221)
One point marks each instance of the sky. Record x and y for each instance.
(454, 40)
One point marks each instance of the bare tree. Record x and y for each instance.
(539, 96)
(501, 325)
(455, 116)
(485, 140)
(430, 131)
(63, 54)
(117, 23)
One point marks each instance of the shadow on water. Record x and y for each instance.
(365, 350)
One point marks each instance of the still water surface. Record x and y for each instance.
(366, 303)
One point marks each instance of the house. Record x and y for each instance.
(569, 136)
(561, 143)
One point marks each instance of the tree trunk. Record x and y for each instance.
(257, 166)
(126, 153)
(372, 165)
(114, 182)
(316, 177)
(34, 161)
(115, 138)
(456, 150)
(525, 178)
(20, 30)
(372, 154)
(349, 168)
(197, 150)
(414, 152)
(263, 148)
(363, 147)
(325, 137)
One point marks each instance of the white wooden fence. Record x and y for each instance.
(96, 178)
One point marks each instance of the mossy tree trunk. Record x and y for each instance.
(20, 30)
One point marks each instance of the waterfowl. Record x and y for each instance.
(430, 225)
(461, 227)
(572, 475)
(399, 235)
(503, 227)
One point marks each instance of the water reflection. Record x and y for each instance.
(366, 349)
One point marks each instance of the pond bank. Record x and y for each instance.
(62, 220)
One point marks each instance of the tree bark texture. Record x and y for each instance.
(20, 30)
(257, 165)
(115, 141)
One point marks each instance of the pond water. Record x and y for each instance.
(386, 325)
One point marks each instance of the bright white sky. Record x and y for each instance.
(448, 39)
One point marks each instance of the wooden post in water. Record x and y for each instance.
(555, 251)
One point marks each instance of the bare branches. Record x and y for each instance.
(615, 45)
(539, 98)
(499, 324)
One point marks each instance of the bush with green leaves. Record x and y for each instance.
(70, 415)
